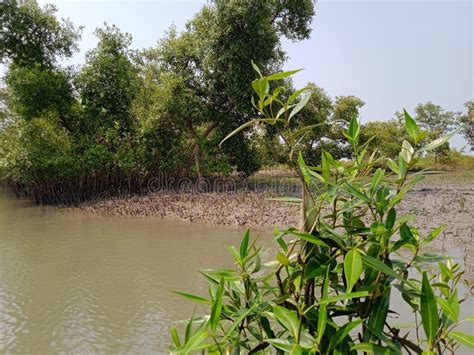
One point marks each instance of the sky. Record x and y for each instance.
(391, 54)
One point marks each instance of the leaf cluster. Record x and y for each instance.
(330, 288)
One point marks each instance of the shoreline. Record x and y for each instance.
(435, 201)
(240, 209)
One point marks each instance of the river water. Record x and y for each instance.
(72, 282)
(76, 283)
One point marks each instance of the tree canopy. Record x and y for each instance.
(32, 36)
(467, 123)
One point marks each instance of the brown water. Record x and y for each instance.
(78, 283)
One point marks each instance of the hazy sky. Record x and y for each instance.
(391, 54)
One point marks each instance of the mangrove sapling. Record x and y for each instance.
(329, 291)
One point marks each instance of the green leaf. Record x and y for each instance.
(237, 321)
(296, 94)
(237, 130)
(393, 166)
(428, 310)
(192, 297)
(376, 179)
(281, 344)
(244, 244)
(352, 268)
(433, 234)
(407, 151)
(354, 129)
(353, 191)
(447, 308)
(282, 259)
(322, 312)
(257, 69)
(342, 333)
(373, 349)
(319, 265)
(406, 237)
(310, 238)
(344, 296)
(234, 252)
(463, 338)
(194, 343)
(380, 266)
(411, 127)
(454, 303)
(299, 106)
(391, 218)
(282, 75)
(378, 228)
(175, 337)
(288, 319)
(378, 314)
(217, 306)
(438, 142)
(325, 158)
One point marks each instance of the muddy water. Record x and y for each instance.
(71, 282)
(77, 283)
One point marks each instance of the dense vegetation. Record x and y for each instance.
(73, 133)
(69, 134)
(332, 285)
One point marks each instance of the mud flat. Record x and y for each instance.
(439, 199)
(236, 209)
(446, 199)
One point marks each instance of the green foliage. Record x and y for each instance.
(385, 137)
(329, 289)
(436, 122)
(32, 36)
(34, 91)
(125, 116)
(108, 83)
(452, 161)
(209, 59)
(467, 123)
(326, 117)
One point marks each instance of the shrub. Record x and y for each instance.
(329, 291)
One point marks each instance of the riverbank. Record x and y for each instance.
(439, 199)
(240, 209)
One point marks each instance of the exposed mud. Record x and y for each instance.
(236, 209)
(439, 199)
(449, 200)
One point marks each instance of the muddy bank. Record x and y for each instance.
(436, 200)
(237, 209)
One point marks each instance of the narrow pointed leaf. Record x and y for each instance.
(342, 333)
(438, 142)
(257, 69)
(192, 297)
(380, 266)
(352, 268)
(175, 337)
(244, 244)
(282, 75)
(428, 309)
(463, 338)
(411, 127)
(299, 106)
(288, 319)
(217, 306)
